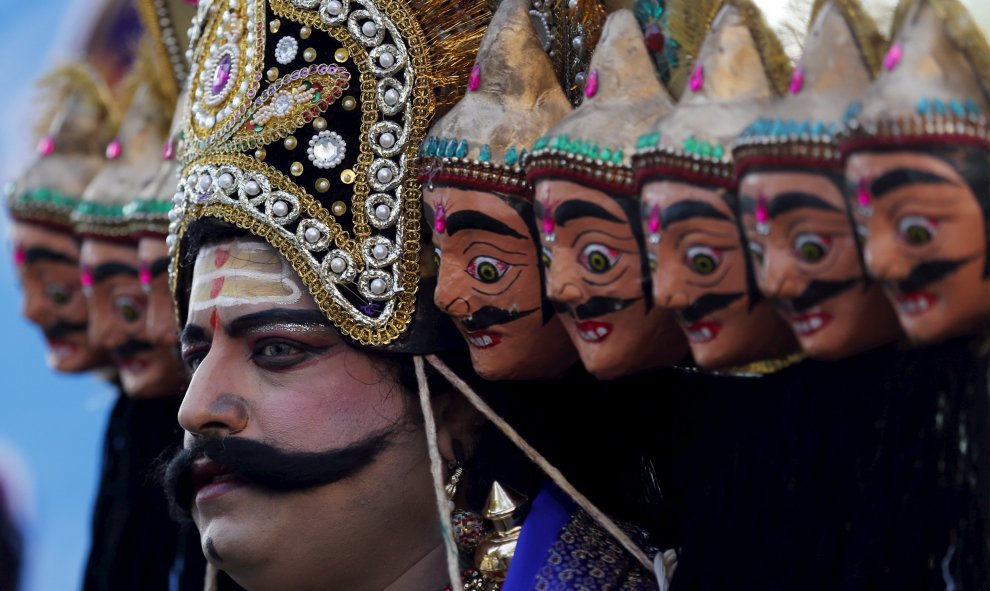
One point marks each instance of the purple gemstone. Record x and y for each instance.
(323, 69)
(221, 76)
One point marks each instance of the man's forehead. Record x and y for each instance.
(241, 273)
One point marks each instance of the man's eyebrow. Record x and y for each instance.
(689, 209)
(900, 177)
(37, 254)
(159, 266)
(785, 202)
(113, 269)
(192, 333)
(576, 208)
(475, 220)
(250, 322)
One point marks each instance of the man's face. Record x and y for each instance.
(595, 279)
(490, 284)
(808, 263)
(925, 241)
(269, 368)
(153, 273)
(701, 275)
(117, 310)
(48, 265)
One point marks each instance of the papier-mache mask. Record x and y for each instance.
(479, 205)
(918, 172)
(598, 275)
(688, 192)
(807, 256)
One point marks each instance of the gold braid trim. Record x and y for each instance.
(872, 43)
(571, 19)
(75, 78)
(775, 61)
(689, 22)
(766, 366)
(149, 18)
(967, 36)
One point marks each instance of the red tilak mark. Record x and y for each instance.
(221, 256)
(217, 286)
(214, 319)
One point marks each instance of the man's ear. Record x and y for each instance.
(457, 424)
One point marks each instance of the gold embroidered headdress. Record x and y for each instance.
(842, 53)
(513, 97)
(934, 87)
(70, 152)
(740, 66)
(593, 144)
(303, 126)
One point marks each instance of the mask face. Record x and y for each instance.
(702, 275)
(47, 264)
(598, 279)
(808, 263)
(269, 369)
(160, 318)
(117, 309)
(925, 238)
(490, 282)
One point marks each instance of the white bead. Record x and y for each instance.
(384, 174)
(383, 211)
(173, 215)
(391, 97)
(226, 181)
(252, 188)
(387, 140)
(334, 7)
(380, 251)
(178, 197)
(386, 60)
(369, 28)
(377, 286)
(280, 208)
(170, 240)
(204, 183)
(337, 265)
(312, 235)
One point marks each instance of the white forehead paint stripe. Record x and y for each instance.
(240, 273)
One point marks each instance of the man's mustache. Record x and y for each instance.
(489, 316)
(62, 328)
(927, 273)
(819, 291)
(266, 466)
(708, 304)
(131, 348)
(594, 307)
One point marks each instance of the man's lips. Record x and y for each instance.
(482, 339)
(917, 303)
(702, 332)
(593, 331)
(210, 480)
(810, 322)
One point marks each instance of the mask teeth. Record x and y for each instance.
(864, 202)
(654, 225)
(440, 225)
(762, 216)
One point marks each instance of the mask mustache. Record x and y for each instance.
(594, 307)
(489, 316)
(62, 328)
(927, 273)
(708, 304)
(265, 466)
(819, 291)
(131, 348)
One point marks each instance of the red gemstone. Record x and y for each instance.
(654, 38)
(168, 149)
(113, 149)
(591, 86)
(474, 81)
(46, 146)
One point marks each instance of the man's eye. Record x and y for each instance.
(599, 258)
(812, 248)
(59, 294)
(703, 260)
(917, 230)
(193, 358)
(756, 251)
(277, 350)
(129, 308)
(487, 269)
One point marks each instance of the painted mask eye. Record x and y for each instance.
(599, 258)
(756, 251)
(811, 248)
(703, 260)
(436, 257)
(487, 269)
(59, 294)
(917, 230)
(546, 257)
(129, 308)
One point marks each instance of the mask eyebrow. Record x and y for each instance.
(690, 209)
(37, 254)
(576, 208)
(475, 220)
(113, 269)
(243, 325)
(901, 177)
(786, 202)
(159, 266)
